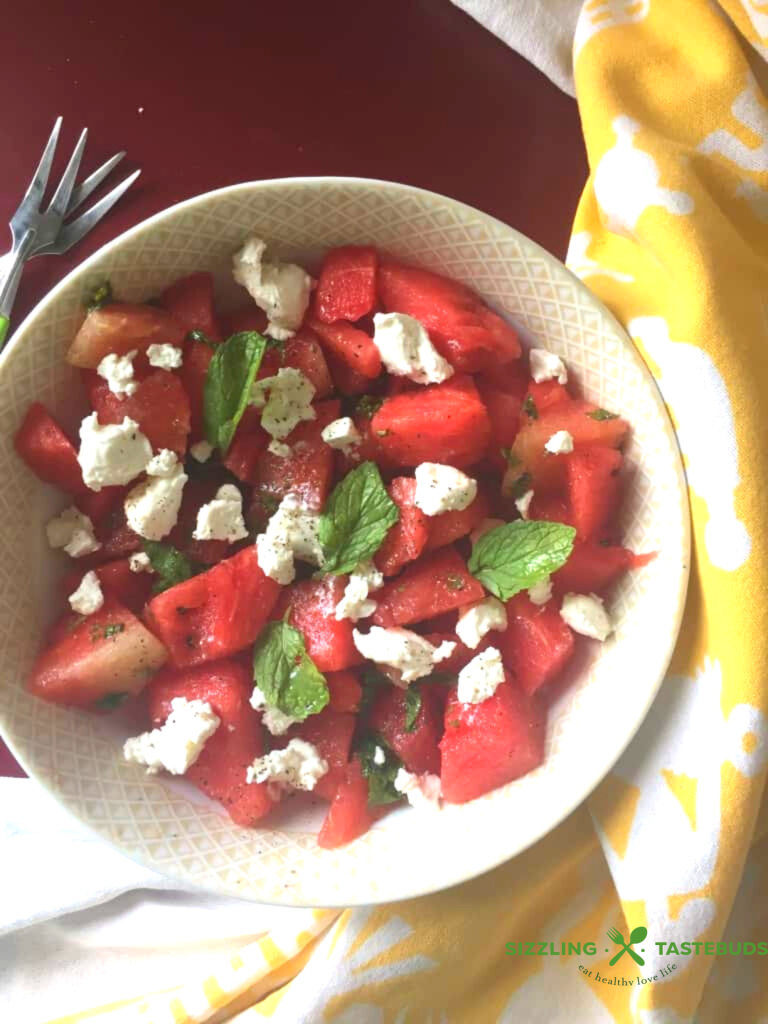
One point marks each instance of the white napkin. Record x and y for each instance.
(81, 925)
(542, 31)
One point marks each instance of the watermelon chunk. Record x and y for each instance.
(418, 748)
(312, 605)
(159, 405)
(592, 568)
(451, 526)
(346, 289)
(109, 654)
(190, 301)
(489, 744)
(215, 614)
(445, 423)
(47, 450)
(345, 691)
(462, 328)
(434, 584)
(331, 732)
(536, 644)
(348, 344)
(348, 816)
(120, 327)
(594, 487)
(220, 769)
(131, 589)
(406, 539)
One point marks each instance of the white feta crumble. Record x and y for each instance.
(163, 464)
(478, 680)
(117, 371)
(585, 614)
(540, 592)
(88, 597)
(152, 507)
(279, 448)
(342, 434)
(403, 650)
(72, 531)
(485, 527)
(379, 757)
(276, 721)
(222, 518)
(478, 619)
(406, 350)
(286, 400)
(179, 741)
(547, 366)
(291, 533)
(297, 766)
(201, 452)
(523, 503)
(423, 791)
(111, 455)
(443, 489)
(561, 443)
(355, 604)
(140, 562)
(165, 357)
(280, 289)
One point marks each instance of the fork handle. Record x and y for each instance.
(11, 266)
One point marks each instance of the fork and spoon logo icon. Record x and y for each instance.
(637, 935)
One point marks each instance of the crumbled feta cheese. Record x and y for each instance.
(423, 791)
(279, 448)
(152, 507)
(585, 614)
(547, 366)
(406, 350)
(485, 527)
(478, 619)
(401, 649)
(443, 489)
(341, 434)
(379, 757)
(478, 680)
(561, 443)
(113, 454)
(117, 371)
(140, 562)
(88, 597)
(523, 503)
(73, 531)
(179, 741)
(354, 604)
(163, 464)
(165, 357)
(275, 721)
(280, 289)
(286, 400)
(201, 452)
(297, 766)
(222, 518)
(540, 592)
(291, 533)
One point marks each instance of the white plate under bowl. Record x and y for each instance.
(166, 825)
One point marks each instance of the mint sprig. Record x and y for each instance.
(285, 673)
(170, 565)
(228, 384)
(515, 556)
(381, 777)
(356, 519)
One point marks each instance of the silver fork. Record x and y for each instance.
(37, 232)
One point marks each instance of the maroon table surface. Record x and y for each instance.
(408, 90)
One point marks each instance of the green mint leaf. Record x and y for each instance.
(228, 383)
(201, 336)
(108, 632)
(381, 777)
(529, 408)
(99, 296)
(285, 673)
(170, 565)
(369, 405)
(279, 346)
(517, 555)
(412, 707)
(602, 414)
(355, 520)
(109, 701)
(371, 679)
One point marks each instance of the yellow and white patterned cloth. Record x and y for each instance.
(672, 234)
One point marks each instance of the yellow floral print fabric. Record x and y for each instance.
(672, 234)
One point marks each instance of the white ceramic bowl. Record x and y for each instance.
(168, 825)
